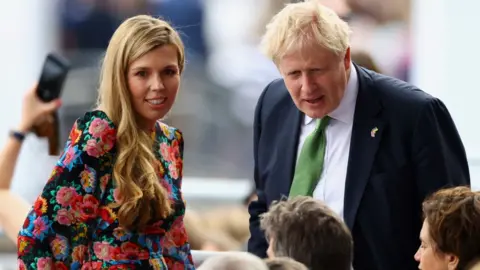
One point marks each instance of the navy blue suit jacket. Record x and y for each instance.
(416, 151)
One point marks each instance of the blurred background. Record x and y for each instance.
(430, 43)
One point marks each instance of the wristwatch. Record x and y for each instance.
(20, 136)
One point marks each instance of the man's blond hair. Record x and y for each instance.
(302, 24)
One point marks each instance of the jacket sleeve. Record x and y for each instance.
(438, 153)
(257, 243)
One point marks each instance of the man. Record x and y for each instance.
(308, 231)
(370, 146)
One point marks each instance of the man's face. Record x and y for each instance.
(316, 79)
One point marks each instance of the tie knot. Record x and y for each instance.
(322, 123)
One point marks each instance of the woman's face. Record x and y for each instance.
(153, 81)
(428, 257)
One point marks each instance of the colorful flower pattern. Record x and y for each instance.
(73, 223)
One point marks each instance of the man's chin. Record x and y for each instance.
(316, 111)
(315, 114)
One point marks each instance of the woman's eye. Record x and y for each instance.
(170, 72)
(141, 73)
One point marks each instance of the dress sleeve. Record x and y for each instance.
(176, 246)
(57, 229)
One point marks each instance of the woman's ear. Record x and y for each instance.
(452, 261)
(270, 252)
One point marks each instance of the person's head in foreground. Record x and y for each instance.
(307, 231)
(139, 82)
(233, 261)
(284, 263)
(364, 59)
(450, 236)
(310, 45)
(475, 265)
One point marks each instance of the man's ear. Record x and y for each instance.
(347, 59)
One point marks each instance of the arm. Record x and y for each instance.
(438, 153)
(257, 243)
(58, 227)
(33, 110)
(12, 207)
(12, 213)
(8, 161)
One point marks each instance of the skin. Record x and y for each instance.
(154, 77)
(270, 252)
(431, 259)
(316, 78)
(34, 112)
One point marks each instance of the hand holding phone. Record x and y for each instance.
(52, 79)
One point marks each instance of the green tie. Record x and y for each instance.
(310, 162)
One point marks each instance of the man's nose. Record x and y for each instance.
(307, 83)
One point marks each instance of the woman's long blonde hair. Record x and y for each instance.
(142, 198)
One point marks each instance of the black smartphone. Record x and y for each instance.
(52, 78)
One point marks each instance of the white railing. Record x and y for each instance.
(221, 189)
(200, 256)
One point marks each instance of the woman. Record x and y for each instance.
(114, 199)
(450, 236)
(12, 207)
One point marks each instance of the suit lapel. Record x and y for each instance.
(366, 135)
(286, 155)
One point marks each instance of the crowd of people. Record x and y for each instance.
(353, 169)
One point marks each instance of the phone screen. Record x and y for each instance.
(52, 78)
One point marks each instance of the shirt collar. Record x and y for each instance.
(346, 109)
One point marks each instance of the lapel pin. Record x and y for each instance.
(373, 132)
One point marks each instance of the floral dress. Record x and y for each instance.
(73, 223)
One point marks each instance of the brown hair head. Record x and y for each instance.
(365, 60)
(453, 217)
(307, 231)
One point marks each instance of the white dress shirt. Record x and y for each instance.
(331, 186)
